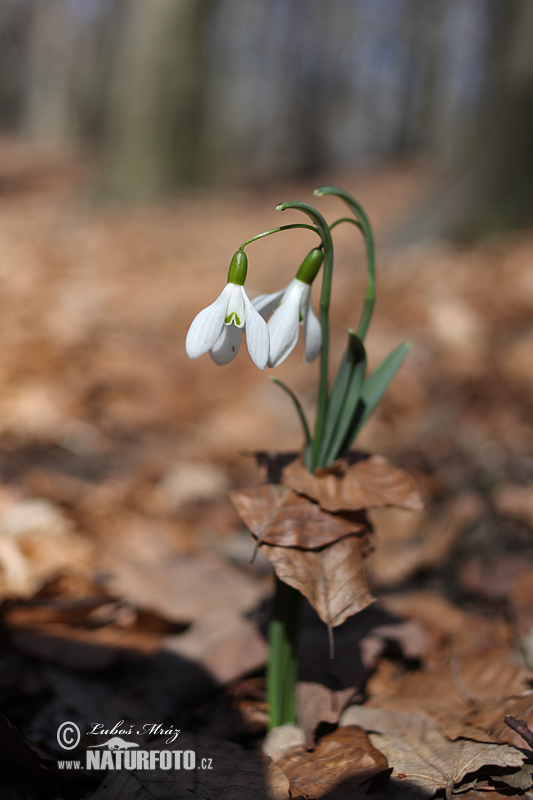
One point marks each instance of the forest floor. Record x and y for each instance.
(128, 595)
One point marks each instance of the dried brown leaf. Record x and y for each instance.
(225, 644)
(411, 636)
(489, 716)
(181, 588)
(370, 482)
(315, 703)
(417, 750)
(409, 542)
(332, 579)
(341, 764)
(452, 689)
(457, 632)
(235, 773)
(278, 516)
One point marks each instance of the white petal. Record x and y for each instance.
(207, 325)
(312, 335)
(284, 323)
(257, 337)
(266, 303)
(227, 345)
(236, 305)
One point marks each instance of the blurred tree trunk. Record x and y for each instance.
(14, 25)
(70, 51)
(487, 166)
(155, 100)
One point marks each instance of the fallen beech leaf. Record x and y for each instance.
(341, 764)
(235, 773)
(332, 579)
(410, 542)
(417, 750)
(489, 716)
(315, 703)
(182, 588)
(461, 632)
(278, 516)
(448, 692)
(350, 487)
(225, 644)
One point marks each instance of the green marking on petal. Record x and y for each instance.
(231, 317)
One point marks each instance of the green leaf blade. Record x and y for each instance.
(354, 353)
(378, 382)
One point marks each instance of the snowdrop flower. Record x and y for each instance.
(218, 328)
(293, 308)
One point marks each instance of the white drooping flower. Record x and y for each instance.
(292, 308)
(219, 327)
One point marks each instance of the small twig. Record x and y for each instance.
(521, 729)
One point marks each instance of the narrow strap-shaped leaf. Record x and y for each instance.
(377, 384)
(350, 408)
(354, 353)
(298, 407)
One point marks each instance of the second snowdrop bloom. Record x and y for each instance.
(219, 327)
(292, 308)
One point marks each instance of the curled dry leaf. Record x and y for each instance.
(278, 516)
(332, 579)
(235, 773)
(315, 703)
(417, 750)
(341, 766)
(369, 482)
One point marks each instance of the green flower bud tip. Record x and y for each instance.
(238, 268)
(310, 266)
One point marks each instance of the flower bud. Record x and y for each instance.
(238, 268)
(310, 266)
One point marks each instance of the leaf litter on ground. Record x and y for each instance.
(419, 753)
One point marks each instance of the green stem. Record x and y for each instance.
(282, 665)
(325, 298)
(346, 219)
(364, 224)
(277, 230)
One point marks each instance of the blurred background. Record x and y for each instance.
(141, 143)
(221, 92)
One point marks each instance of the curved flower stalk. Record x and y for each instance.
(218, 328)
(292, 308)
